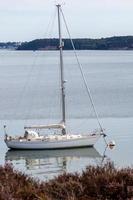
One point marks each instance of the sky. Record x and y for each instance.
(26, 20)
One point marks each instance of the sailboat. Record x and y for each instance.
(62, 139)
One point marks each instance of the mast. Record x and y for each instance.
(61, 70)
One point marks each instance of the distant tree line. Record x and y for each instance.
(111, 43)
(9, 45)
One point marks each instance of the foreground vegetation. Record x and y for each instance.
(95, 183)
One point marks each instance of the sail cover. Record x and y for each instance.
(50, 126)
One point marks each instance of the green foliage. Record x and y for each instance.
(112, 43)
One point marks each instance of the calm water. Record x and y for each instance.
(29, 85)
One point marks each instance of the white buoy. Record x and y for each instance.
(111, 144)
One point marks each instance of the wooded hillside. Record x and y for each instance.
(112, 43)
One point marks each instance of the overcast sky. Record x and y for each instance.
(24, 20)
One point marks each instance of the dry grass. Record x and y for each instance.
(95, 183)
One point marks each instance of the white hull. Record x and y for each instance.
(85, 141)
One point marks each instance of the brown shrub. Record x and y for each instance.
(95, 183)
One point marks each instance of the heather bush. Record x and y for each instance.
(95, 183)
(15, 185)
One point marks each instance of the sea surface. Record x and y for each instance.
(30, 94)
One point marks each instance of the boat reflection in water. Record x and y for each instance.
(45, 164)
